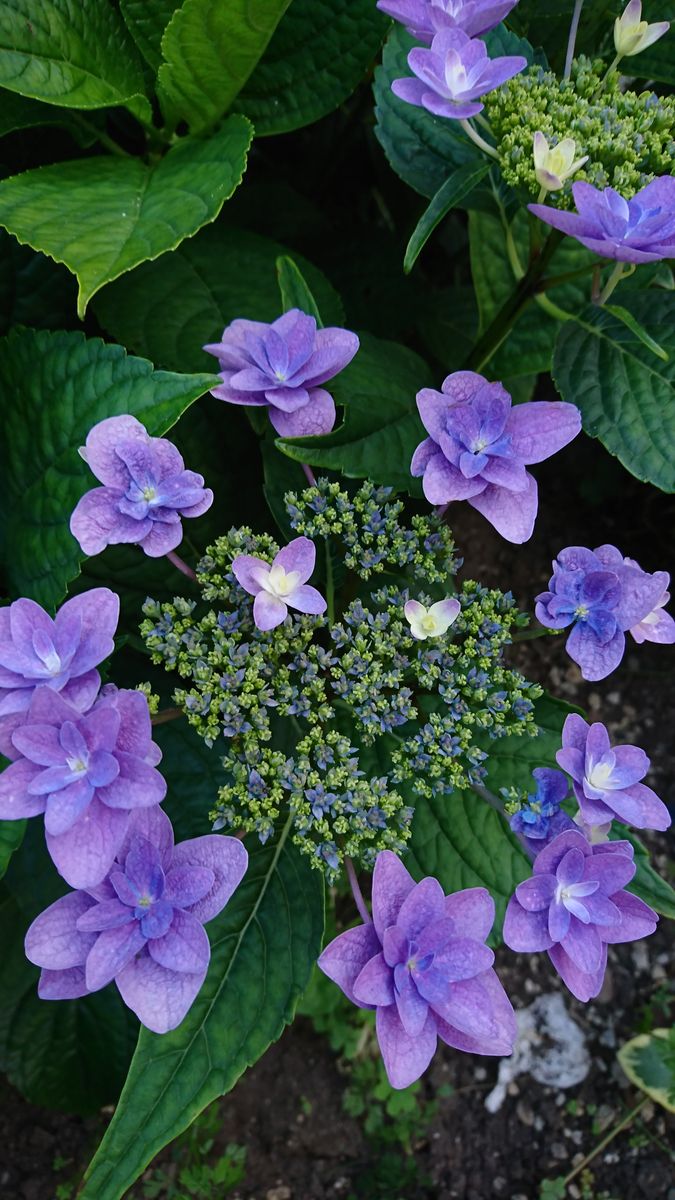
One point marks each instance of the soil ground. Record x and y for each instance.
(288, 1109)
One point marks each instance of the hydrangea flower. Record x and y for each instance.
(606, 780)
(281, 584)
(143, 926)
(434, 621)
(423, 965)
(86, 774)
(574, 906)
(280, 367)
(554, 164)
(424, 18)
(658, 626)
(541, 818)
(632, 34)
(479, 446)
(636, 231)
(601, 595)
(60, 654)
(453, 74)
(146, 490)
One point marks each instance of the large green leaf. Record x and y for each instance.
(264, 945)
(75, 53)
(11, 837)
(319, 54)
(55, 387)
(381, 426)
(169, 309)
(462, 840)
(193, 772)
(33, 290)
(647, 884)
(102, 216)
(649, 1063)
(450, 195)
(20, 112)
(626, 393)
(210, 49)
(146, 21)
(424, 150)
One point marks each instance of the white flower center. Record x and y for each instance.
(281, 583)
(600, 775)
(149, 494)
(77, 766)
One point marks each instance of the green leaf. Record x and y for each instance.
(319, 54)
(649, 1062)
(193, 772)
(647, 883)
(60, 385)
(657, 62)
(146, 21)
(11, 837)
(381, 426)
(462, 840)
(33, 290)
(169, 309)
(264, 945)
(450, 195)
(622, 314)
(210, 49)
(102, 216)
(626, 394)
(500, 41)
(295, 292)
(424, 150)
(20, 112)
(78, 55)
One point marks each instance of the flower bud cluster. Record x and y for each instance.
(629, 138)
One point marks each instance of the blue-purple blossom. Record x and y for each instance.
(574, 906)
(658, 626)
(423, 965)
(143, 925)
(602, 596)
(606, 778)
(281, 584)
(541, 818)
(452, 75)
(479, 446)
(146, 490)
(425, 18)
(281, 366)
(86, 774)
(60, 654)
(636, 231)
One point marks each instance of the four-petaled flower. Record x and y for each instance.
(431, 622)
(602, 595)
(636, 231)
(606, 779)
(453, 74)
(632, 34)
(541, 818)
(574, 906)
(554, 164)
(424, 18)
(280, 367)
(146, 490)
(479, 446)
(423, 965)
(281, 584)
(143, 926)
(60, 654)
(86, 774)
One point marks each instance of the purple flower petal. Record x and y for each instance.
(96, 522)
(153, 825)
(423, 905)
(298, 556)
(334, 349)
(638, 805)
(595, 660)
(405, 1058)
(585, 986)
(108, 914)
(62, 985)
(526, 931)
(100, 450)
(374, 984)
(159, 997)
(250, 572)
(138, 785)
(537, 892)
(54, 939)
(541, 428)
(307, 599)
(504, 1028)
(411, 1006)
(443, 483)
(184, 947)
(67, 806)
(85, 854)
(268, 611)
(466, 1007)
(391, 884)
(313, 419)
(472, 912)
(638, 920)
(225, 857)
(112, 950)
(186, 885)
(612, 871)
(161, 538)
(460, 958)
(16, 801)
(346, 956)
(583, 946)
(512, 513)
(98, 613)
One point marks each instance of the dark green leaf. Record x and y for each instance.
(622, 314)
(501, 41)
(60, 384)
(146, 21)
(295, 292)
(657, 62)
(381, 426)
(647, 884)
(210, 49)
(78, 55)
(193, 772)
(264, 945)
(319, 54)
(33, 290)
(455, 189)
(20, 112)
(649, 1063)
(626, 394)
(171, 308)
(102, 216)
(11, 837)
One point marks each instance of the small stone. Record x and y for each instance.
(613, 697)
(279, 1193)
(559, 1151)
(499, 1184)
(513, 1089)
(524, 1113)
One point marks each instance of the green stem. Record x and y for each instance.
(479, 141)
(605, 1141)
(508, 314)
(617, 275)
(166, 714)
(528, 635)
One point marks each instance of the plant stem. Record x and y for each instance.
(479, 141)
(605, 1141)
(488, 796)
(356, 892)
(508, 314)
(166, 714)
(182, 566)
(309, 474)
(566, 277)
(572, 39)
(528, 635)
(102, 137)
(617, 275)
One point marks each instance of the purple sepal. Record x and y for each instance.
(638, 230)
